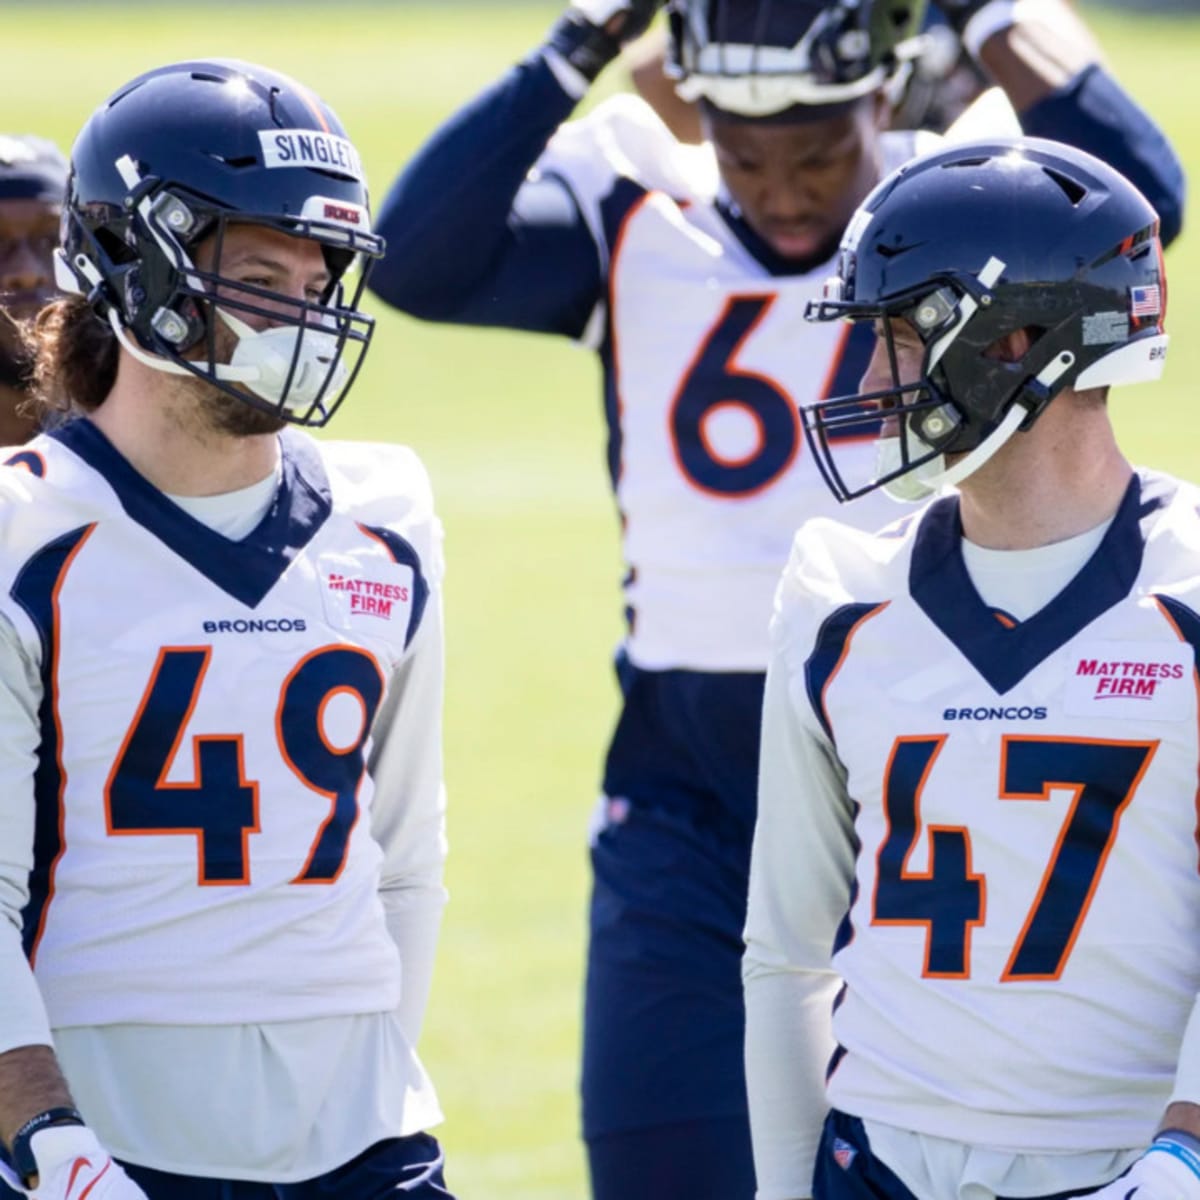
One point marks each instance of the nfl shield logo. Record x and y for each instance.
(843, 1153)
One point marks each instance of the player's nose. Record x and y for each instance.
(23, 268)
(878, 373)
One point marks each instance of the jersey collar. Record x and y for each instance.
(247, 569)
(1004, 653)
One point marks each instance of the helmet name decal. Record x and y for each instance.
(309, 148)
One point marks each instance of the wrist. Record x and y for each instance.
(585, 48)
(984, 22)
(1180, 1145)
(21, 1148)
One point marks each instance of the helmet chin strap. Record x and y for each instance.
(931, 477)
(222, 371)
(263, 360)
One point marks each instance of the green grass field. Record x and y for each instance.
(511, 430)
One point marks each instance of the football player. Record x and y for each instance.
(688, 269)
(33, 176)
(221, 836)
(972, 962)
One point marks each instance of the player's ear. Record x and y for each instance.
(1013, 346)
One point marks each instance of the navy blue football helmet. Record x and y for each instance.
(177, 156)
(764, 58)
(33, 178)
(967, 246)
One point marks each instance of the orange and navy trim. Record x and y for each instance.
(829, 653)
(37, 589)
(1186, 625)
(617, 212)
(401, 551)
(28, 460)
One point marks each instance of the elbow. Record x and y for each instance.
(407, 284)
(1170, 208)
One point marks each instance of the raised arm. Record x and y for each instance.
(473, 237)
(1049, 65)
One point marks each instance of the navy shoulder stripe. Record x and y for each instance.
(832, 641)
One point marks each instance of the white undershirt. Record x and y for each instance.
(1022, 582)
(233, 514)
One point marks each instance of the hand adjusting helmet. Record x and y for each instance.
(177, 156)
(967, 246)
(763, 58)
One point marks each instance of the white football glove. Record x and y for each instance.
(72, 1164)
(600, 12)
(590, 33)
(1169, 1170)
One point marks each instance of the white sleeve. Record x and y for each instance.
(409, 814)
(1187, 1074)
(800, 879)
(22, 1014)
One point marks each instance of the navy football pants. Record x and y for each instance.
(664, 1095)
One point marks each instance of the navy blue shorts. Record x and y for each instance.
(847, 1170)
(409, 1167)
(664, 1018)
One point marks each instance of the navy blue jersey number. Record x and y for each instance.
(714, 381)
(219, 805)
(949, 899)
(334, 771)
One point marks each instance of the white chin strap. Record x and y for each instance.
(931, 477)
(262, 361)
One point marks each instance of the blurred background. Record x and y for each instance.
(511, 429)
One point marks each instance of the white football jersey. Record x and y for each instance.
(203, 849)
(987, 828)
(707, 358)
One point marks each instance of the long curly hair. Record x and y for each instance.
(75, 359)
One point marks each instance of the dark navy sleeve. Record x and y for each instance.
(1094, 113)
(462, 246)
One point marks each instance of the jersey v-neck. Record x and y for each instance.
(1019, 583)
(233, 514)
(246, 569)
(1004, 653)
